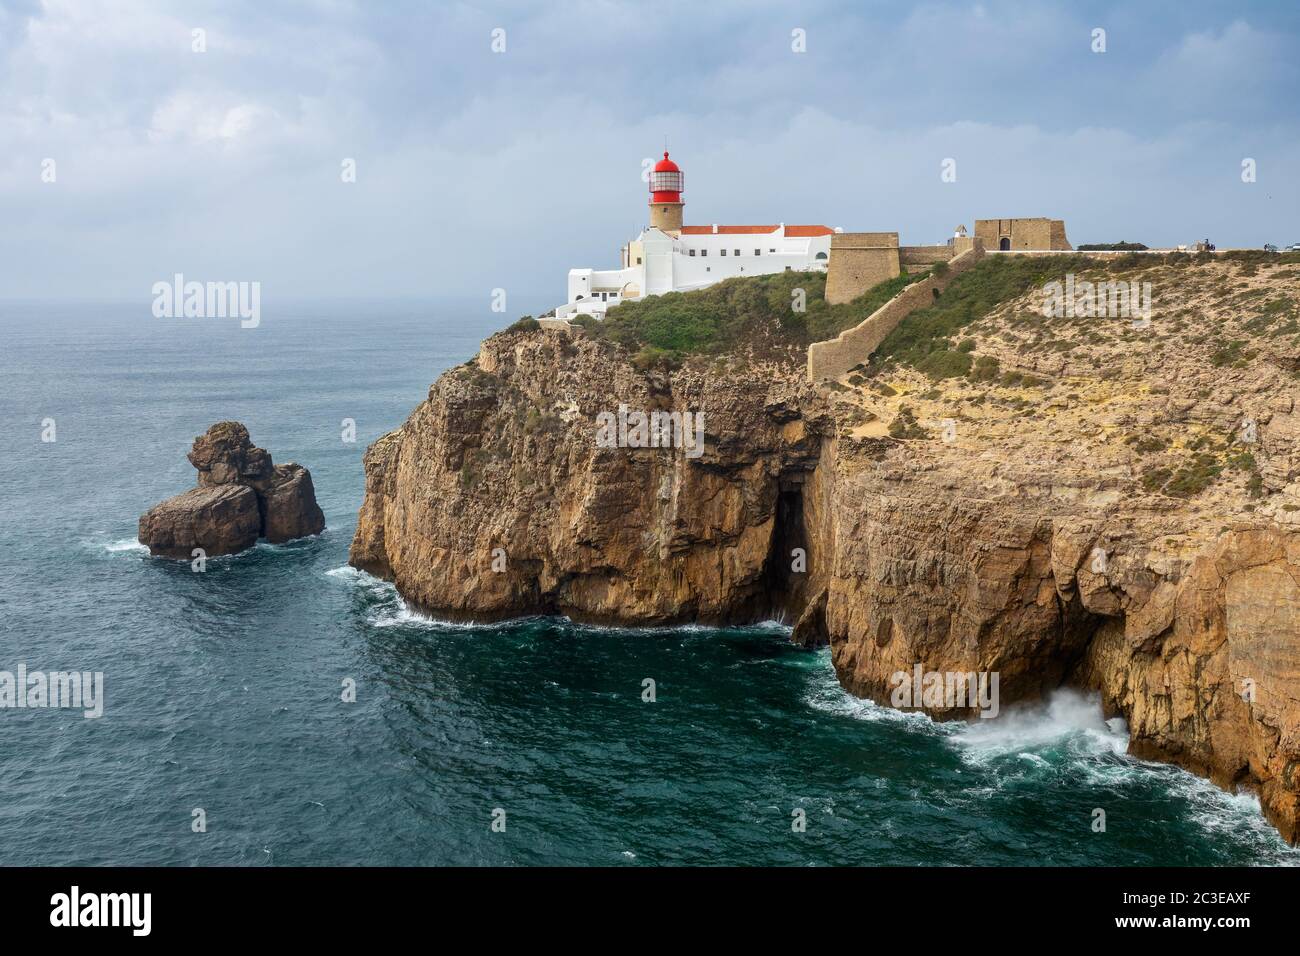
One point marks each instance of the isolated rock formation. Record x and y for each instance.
(241, 496)
(1113, 507)
(221, 519)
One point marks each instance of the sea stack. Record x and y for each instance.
(241, 496)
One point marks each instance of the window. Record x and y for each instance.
(703, 252)
(771, 250)
(737, 252)
(638, 260)
(758, 252)
(692, 252)
(724, 252)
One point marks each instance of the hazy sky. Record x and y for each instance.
(478, 169)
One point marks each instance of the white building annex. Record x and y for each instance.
(670, 257)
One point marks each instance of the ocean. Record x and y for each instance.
(223, 689)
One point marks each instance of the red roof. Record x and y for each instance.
(791, 231)
(666, 165)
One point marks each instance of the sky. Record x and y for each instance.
(497, 145)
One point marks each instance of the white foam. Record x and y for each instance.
(651, 630)
(348, 573)
(825, 694)
(125, 544)
(1069, 717)
(1235, 817)
(393, 611)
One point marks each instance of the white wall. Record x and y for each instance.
(700, 270)
(668, 265)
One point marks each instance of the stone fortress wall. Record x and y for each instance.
(1014, 235)
(920, 258)
(835, 357)
(858, 261)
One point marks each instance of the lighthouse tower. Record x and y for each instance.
(666, 196)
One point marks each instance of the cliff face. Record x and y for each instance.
(1190, 632)
(495, 500)
(1113, 509)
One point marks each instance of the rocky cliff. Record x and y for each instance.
(241, 496)
(495, 500)
(1095, 502)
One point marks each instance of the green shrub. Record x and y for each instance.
(1148, 445)
(1232, 355)
(985, 369)
(1194, 476)
(650, 356)
(905, 425)
(1111, 247)
(945, 364)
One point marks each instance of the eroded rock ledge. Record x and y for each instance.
(241, 496)
(1033, 544)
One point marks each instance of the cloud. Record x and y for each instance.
(478, 170)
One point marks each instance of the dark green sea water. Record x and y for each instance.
(223, 688)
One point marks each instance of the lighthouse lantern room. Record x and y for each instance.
(666, 204)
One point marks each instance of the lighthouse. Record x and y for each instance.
(666, 196)
(670, 257)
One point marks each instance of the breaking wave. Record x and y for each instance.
(125, 544)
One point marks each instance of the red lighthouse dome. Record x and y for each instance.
(666, 181)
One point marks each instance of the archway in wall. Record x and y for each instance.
(1004, 243)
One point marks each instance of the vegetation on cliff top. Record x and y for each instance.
(926, 339)
(788, 311)
(1120, 246)
(785, 308)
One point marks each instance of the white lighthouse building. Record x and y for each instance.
(670, 257)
